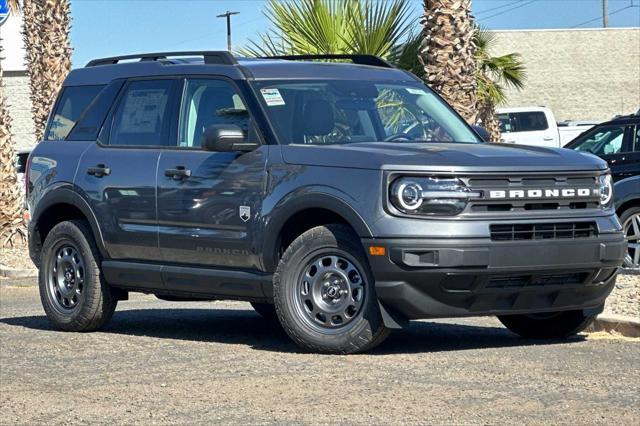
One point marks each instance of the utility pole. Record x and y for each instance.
(605, 13)
(227, 15)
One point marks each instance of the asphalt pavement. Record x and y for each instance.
(194, 363)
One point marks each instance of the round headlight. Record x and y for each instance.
(409, 195)
(606, 189)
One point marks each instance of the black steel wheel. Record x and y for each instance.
(330, 291)
(549, 325)
(65, 278)
(324, 293)
(74, 295)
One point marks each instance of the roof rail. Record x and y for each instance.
(356, 59)
(221, 57)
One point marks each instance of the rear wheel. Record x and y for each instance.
(73, 292)
(553, 325)
(324, 293)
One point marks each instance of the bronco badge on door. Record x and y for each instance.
(245, 213)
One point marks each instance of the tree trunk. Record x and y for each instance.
(47, 54)
(487, 116)
(447, 53)
(12, 223)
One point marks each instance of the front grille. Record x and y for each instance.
(516, 281)
(528, 182)
(543, 231)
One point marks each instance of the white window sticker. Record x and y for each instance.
(272, 97)
(416, 91)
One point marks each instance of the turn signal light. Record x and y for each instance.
(377, 251)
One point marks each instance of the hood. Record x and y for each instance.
(441, 157)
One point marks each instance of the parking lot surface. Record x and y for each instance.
(160, 362)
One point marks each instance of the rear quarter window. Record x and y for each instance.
(73, 101)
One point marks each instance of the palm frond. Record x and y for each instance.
(332, 26)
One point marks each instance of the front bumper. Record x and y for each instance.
(431, 278)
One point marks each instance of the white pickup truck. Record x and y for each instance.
(537, 126)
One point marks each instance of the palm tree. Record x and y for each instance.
(12, 224)
(46, 26)
(333, 27)
(447, 53)
(494, 74)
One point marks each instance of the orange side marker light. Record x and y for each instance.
(377, 251)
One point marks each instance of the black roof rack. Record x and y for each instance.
(221, 57)
(356, 59)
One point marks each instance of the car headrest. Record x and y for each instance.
(318, 118)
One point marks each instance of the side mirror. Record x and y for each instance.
(226, 138)
(482, 132)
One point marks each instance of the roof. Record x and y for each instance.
(632, 118)
(102, 71)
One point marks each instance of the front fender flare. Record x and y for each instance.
(311, 198)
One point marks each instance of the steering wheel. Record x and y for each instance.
(398, 137)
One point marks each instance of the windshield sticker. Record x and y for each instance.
(416, 91)
(272, 97)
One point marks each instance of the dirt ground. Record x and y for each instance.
(192, 363)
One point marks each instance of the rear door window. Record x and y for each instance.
(143, 115)
(529, 121)
(73, 101)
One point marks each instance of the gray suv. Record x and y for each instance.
(335, 193)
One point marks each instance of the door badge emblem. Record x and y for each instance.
(245, 213)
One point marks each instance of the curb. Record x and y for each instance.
(626, 326)
(6, 272)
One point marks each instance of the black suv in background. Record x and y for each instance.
(618, 142)
(343, 198)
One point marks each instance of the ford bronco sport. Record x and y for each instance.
(335, 193)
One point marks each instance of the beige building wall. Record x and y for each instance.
(16, 82)
(587, 74)
(18, 95)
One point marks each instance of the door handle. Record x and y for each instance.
(547, 138)
(178, 173)
(99, 170)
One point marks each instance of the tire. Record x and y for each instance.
(555, 325)
(332, 308)
(75, 298)
(266, 310)
(630, 219)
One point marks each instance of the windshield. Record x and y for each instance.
(350, 111)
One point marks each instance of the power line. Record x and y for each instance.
(499, 7)
(609, 14)
(518, 6)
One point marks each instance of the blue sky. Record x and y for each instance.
(113, 27)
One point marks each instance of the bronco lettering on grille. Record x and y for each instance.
(543, 193)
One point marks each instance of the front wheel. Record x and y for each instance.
(554, 325)
(324, 293)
